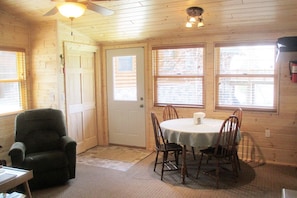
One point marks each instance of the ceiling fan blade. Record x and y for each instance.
(64, 1)
(102, 10)
(51, 12)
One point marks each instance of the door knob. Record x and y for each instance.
(141, 106)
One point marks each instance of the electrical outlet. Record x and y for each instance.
(267, 132)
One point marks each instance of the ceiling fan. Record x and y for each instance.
(82, 5)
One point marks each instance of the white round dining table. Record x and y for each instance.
(183, 131)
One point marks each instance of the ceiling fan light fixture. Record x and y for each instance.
(192, 19)
(71, 9)
(200, 23)
(189, 25)
(194, 15)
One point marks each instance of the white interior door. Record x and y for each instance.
(125, 87)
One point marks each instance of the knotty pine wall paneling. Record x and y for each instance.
(45, 65)
(14, 33)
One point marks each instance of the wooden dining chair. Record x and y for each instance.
(165, 148)
(169, 113)
(238, 113)
(223, 151)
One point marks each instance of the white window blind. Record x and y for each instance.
(178, 75)
(246, 76)
(12, 80)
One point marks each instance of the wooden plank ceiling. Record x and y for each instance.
(140, 20)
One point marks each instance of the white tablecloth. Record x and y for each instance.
(183, 131)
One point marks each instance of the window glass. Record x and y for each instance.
(245, 76)
(12, 80)
(124, 77)
(178, 76)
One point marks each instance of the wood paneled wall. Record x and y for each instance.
(46, 75)
(13, 33)
(44, 66)
(281, 147)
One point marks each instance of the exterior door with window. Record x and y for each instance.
(125, 87)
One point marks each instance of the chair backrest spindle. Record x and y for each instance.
(169, 112)
(238, 114)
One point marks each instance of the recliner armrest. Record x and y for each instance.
(69, 146)
(17, 153)
(67, 143)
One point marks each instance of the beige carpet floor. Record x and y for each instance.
(113, 157)
(140, 181)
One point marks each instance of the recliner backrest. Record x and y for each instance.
(40, 129)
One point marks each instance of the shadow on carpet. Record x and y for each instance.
(227, 179)
(113, 157)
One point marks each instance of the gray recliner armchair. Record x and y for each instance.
(42, 145)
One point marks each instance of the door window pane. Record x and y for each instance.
(124, 78)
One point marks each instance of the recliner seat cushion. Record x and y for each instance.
(45, 161)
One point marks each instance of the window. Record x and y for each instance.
(178, 76)
(246, 76)
(125, 78)
(12, 80)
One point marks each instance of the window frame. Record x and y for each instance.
(274, 108)
(199, 76)
(21, 78)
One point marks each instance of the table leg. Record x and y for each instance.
(184, 166)
(27, 189)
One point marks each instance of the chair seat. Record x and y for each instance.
(45, 161)
(170, 147)
(222, 152)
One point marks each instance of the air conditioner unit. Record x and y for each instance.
(287, 44)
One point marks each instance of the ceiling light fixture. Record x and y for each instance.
(71, 9)
(194, 16)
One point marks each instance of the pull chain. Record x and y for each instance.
(71, 18)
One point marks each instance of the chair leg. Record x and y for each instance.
(237, 161)
(165, 156)
(176, 154)
(156, 160)
(199, 165)
(193, 151)
(217, 173)
(234, 165)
